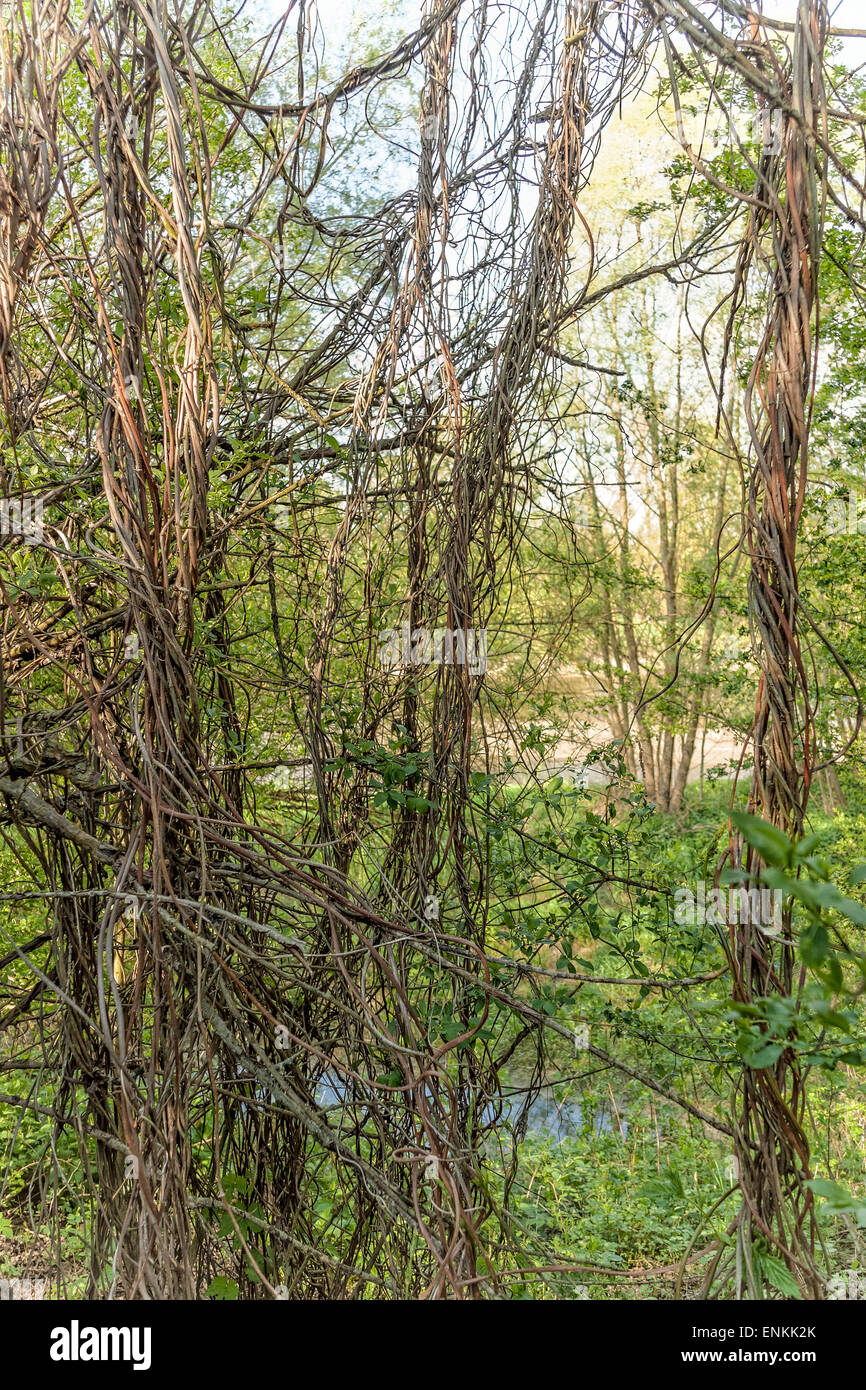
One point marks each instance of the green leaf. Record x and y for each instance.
(833, 975)
(806, 846)
(779, 1275)
(771, 844)
(836, 1199)
(814, 944)
(758, 1057)
(828, 895)
(734, 876)
(222, 1288)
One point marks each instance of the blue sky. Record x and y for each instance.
(845, 13)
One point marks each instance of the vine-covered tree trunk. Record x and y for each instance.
(784, 236)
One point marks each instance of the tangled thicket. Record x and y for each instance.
(246, 408)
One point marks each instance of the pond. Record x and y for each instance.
(560, 1119)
